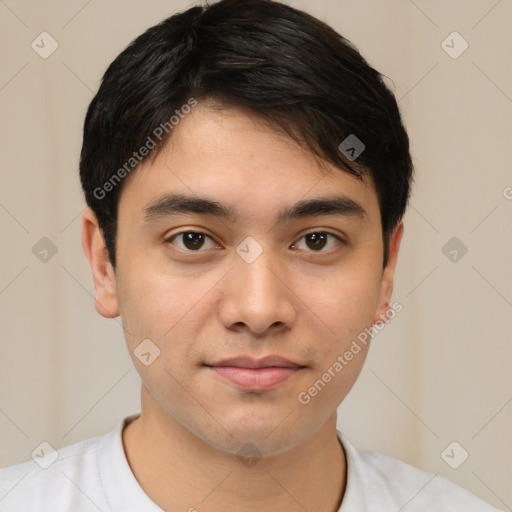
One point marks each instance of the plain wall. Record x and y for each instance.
(439, 372)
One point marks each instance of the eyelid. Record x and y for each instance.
(170, 239)
(326, 232)
(339, 239)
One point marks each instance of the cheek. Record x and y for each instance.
(343, 329)
(344, 305)
(157, 308)
(155, 303)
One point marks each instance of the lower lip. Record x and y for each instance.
(255, 379)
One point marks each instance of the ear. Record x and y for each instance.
(102, 271)
(386, 284)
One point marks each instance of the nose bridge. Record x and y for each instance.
(260, 277)
(256, 295)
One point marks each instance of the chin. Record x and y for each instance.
(256, 436)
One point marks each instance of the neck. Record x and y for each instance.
(178, 471)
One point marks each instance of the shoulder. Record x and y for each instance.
(55, 479)
(377, 481)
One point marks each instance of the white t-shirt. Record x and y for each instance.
(94, 475)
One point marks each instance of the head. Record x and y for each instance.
(246, 173)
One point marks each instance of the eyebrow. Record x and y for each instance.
(173, 204)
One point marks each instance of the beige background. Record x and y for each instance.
(439, 372)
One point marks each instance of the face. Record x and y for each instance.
(247, 309)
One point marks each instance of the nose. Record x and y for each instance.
(257, 296)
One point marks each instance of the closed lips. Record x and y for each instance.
(266, 362)
(255, 375)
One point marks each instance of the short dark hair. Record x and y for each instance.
(275, 61)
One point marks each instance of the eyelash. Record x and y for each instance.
(338, 238)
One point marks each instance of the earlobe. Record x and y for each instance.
(102, 271)
(386, 285)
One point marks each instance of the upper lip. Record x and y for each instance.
(264, 362)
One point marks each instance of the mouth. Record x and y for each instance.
(255, 375)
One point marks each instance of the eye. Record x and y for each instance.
(192, 241)
(317, 240)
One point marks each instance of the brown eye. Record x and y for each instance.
(317, 240)
(191, 241)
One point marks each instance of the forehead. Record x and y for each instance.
(241, 161)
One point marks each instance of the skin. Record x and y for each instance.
(295, 301)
